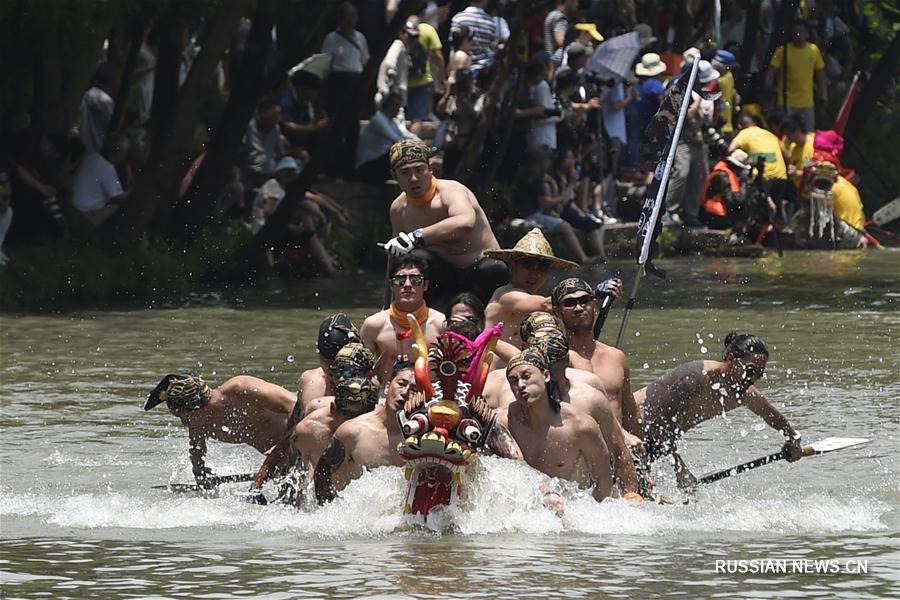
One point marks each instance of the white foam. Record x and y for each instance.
(502, 497)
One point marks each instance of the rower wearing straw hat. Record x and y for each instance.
(530, 262)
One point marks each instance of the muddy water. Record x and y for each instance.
(79, 516)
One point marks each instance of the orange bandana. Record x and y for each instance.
(425, 198)
(399, 319)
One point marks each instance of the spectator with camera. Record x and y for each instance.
(460, 108)
(725, 197)
(544, 112)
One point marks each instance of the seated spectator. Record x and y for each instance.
(724, 200)
(262, 144)
(302, 116)
(565, 182)
(534, 203)
(96, 190)
(372, 162)
(271, 193)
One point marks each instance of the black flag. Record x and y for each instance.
(655, 146)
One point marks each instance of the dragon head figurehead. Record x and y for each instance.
(447, 421)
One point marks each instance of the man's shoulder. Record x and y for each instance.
(609, 353)
(378, 319)
(311, 375)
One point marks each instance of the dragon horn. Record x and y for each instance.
(477, 376)
(420, 365)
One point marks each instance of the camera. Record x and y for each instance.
(717, 144)
(553, 112)
(599, 81)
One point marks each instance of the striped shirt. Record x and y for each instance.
(486, 34)
(556, 22)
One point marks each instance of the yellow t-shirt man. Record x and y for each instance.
(800, 155)
(802, 63)
(757, 142)
(430, 41)
(848, 206)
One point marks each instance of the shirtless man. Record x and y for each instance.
(387, 333)
(334, 333)
(530, 262)
(556, 439)
(575, 303)
(368, 441)
(703, 389)
(243, 410)
(353, 397)
(441, 220)
(352, 360)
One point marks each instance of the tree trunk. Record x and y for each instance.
(249, 86)
(874, 88)
(137, 29)
(748, 47)
(173, 134)
(244, 265)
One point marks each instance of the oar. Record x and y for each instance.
(213, 481)
(827, 445)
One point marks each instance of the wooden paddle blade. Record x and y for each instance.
(836, 443)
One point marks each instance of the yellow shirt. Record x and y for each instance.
(726, 85)
(848, 206)
(801, 154)
(430, 41)
(802, 63)
(759, 142)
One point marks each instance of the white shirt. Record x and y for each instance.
(378, 137)
(346, 57)
(95, 183)
(393, 72)
(96, 110)
(270, 189)
(614, 120)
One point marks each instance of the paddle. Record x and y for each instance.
(827, 445)
(213, 481)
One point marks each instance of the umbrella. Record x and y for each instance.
(317, 64)
(615, 57)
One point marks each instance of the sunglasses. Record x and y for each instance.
(577, 301)
(344, 373)
(399, 280)
(535, 265)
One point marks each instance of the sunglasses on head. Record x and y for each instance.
(399, 280)
(576, 301)
(535, 264)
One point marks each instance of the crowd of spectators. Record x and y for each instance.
(573, 163)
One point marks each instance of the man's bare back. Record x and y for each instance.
(244, 410)
(611, 366)
(460, 246)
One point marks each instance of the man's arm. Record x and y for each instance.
(756, 402)
(332, 460)
(593, 448)
(501, 442)
(523, 303)
(197, 450)
(368, 333)
(460, 220)
(615, 444)
(628, 404)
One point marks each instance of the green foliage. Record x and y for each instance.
(873, 155)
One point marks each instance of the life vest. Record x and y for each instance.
(715, 205)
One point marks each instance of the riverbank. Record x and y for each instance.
(79, 272)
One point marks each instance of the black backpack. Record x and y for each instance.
(418, 60)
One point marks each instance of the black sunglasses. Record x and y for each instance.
(399, 280)
(577, 301)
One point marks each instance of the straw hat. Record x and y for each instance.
(651, 65)
(739, 158)
(532, 245)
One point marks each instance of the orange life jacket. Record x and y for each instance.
(715, 205)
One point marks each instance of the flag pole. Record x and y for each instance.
(663, 178)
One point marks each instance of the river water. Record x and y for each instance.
(79, 516)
